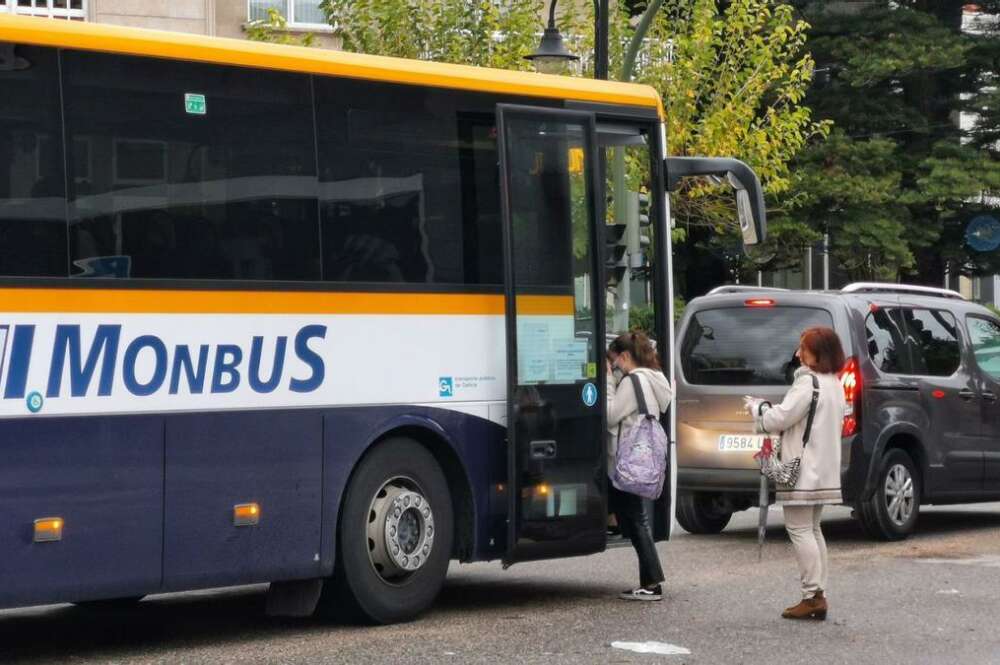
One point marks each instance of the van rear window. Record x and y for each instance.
(746, 346)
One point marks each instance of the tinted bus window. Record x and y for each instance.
(32, 182)
(744, 346)
(886, 341)
(409, 184)
(194, 171)
(933, 341)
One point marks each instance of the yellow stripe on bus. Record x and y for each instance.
(149, 301)
(178, 46)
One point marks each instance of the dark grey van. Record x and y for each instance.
(922, 383)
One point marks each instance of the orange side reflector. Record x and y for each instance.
(48, 529)
(246, 514)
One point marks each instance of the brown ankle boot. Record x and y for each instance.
(810, 608)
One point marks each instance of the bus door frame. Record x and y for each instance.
(589, 536)
(647, 122)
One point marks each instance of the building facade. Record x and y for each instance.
(221, 18)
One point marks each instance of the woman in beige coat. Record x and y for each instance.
(818, 484)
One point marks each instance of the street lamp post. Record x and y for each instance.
(551, 56)
(601, 46)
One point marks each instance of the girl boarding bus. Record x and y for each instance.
(318, 319)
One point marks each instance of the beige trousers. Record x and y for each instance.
(802, 524)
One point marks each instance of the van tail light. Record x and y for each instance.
(759, 302)
(850, 379)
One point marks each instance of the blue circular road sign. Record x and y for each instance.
(983, 233)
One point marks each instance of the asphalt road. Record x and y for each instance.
(930, 599)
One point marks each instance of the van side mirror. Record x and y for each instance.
(749, 193)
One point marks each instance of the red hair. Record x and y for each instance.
(824, 345)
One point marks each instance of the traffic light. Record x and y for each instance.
(641, 269)
(644, 219)
(615, 258)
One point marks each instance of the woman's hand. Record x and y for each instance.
(752, 404)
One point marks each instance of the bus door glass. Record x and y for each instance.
(636, 281)
(628, 230)
(556, 469)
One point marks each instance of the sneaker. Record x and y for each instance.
(655, 593)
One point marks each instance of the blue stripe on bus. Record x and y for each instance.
(20, 358)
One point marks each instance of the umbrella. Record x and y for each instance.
(762, 519)
(766, 451)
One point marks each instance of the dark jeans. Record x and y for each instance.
(633, 518)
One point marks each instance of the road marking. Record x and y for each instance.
(986, 561)
(652, 647)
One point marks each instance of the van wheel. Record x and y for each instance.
(891, 512)
(394, 537)
(703, 512)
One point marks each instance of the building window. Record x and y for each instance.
(75, 10)
(296, 12)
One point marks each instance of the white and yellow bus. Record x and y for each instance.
(318, 319)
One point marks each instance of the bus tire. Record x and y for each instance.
(883, 516)
(702, 513)
(394, 537)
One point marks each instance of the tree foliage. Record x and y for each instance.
(899, 180)
(473, 32)
(733, 77)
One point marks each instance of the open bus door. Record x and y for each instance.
(557, 495)
(752, 218)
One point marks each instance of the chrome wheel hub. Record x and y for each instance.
(400, 529)
(899, 495)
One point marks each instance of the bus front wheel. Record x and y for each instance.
(394, 538)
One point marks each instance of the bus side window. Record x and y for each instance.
(409, 186)
(32, 186)
(224, 188)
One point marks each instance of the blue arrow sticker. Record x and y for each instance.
(589, 394)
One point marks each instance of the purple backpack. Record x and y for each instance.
(641, 460)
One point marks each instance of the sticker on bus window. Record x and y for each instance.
(589, 394)
(591, 370)
(195, 104)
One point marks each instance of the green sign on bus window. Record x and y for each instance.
(195, 104)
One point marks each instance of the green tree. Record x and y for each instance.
(733, 76)
(475, 32)
(898, 182)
